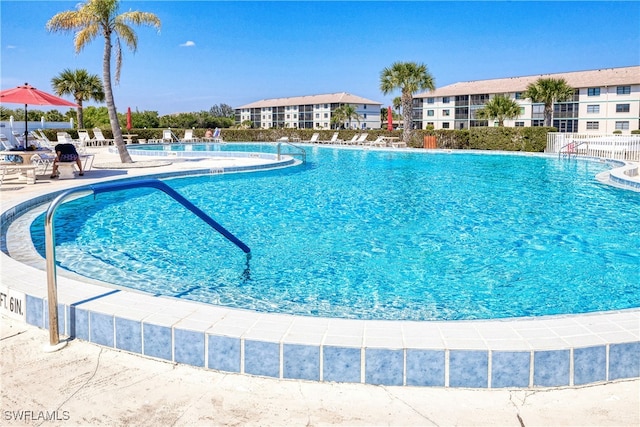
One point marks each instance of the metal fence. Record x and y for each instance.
(618, 147)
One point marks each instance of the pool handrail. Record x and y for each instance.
(50, 252)
(302, 152)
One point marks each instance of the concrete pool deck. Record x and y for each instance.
(555, 352)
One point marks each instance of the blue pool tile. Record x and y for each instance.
(425, 367)
(624, 360)
(157, 341)
(510, 369)
(341, 364)
(35, 311)
(301, 362)
(262, 358)
(384, 367)
(188, 347)
(589, 365)
(78, 323)
(101, 327)
(129, 335)
(224, 353)
(551, 368)
(468, 368)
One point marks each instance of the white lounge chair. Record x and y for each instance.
(314, 138)
(188, 136)
(334, 139)
(362, 139)
(351, 141)
(99, 138)
(283, 139)
(83, 136)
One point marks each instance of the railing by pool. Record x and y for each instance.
(618, 147)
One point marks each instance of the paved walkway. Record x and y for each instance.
(85, 384)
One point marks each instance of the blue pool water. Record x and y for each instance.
(373, 235)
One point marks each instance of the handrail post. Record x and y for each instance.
(50, 241)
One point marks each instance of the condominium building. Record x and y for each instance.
(604, 101)
(309, 112)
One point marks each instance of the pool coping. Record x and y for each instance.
(550, 351)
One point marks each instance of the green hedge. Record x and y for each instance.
(532, 139)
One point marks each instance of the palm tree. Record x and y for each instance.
(100, 17)
(548, 91)
(500, 107)
(82, 85)
(349, 112)
(409, 77)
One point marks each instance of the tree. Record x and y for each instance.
(409, 77)
(548, 91)
(81, 85)
(223, 110)
(100, 17)
(500, 107)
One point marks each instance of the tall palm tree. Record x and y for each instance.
(409, 77)
(548, 91)
(82, 85)
(500, 107)
(100, 17)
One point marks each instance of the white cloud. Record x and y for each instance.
(188, 43)
(10, 46)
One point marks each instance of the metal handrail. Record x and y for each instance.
(50, 250)
(302, 150)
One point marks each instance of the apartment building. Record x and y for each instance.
(309, 112)
(605, 101)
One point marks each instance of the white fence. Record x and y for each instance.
(618, 147)
(8, 127)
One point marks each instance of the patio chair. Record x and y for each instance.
(351, 141)
(188, 136)
(334, 139)
(83, 136)
(99, 138)
(362, 139)
(314, 138)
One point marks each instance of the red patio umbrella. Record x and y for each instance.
(29, 95)
(128, 118)
(389, 119)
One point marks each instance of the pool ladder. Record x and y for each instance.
(301, 151)
(50, 245)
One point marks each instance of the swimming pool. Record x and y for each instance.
(373, 235)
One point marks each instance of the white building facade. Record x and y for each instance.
(605, 101)
(309, 112)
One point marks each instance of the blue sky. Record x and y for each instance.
(236, 52)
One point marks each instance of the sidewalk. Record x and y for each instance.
(85, 384)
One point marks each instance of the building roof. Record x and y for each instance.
(575, 79)
(329, 98)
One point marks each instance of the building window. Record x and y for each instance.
(445, 112)
(593, 125)
(445, 125)
(623, 90)
(430, 113)
(445, 100)
(622, 108)
(593, 91)
(326, 105)
(622, 125)
(593, 108)
(364, 116)
(317, 115)
(518, 95)
(326, 115)
(519, 124)
(364, 106)
(431, 100)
